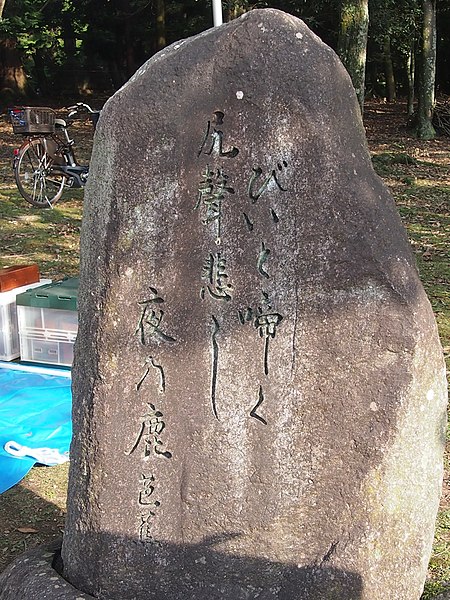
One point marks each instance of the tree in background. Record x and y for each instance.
(12, 73)
(117, 37)
(39, 36)
(352, 42)
(160, 24)
(235, 8)
(425, 129)
(393, 39)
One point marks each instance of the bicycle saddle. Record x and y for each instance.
(60, 123)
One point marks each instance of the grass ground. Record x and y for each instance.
(417, 174)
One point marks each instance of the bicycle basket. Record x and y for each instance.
(32, 119)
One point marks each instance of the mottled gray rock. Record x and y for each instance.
(32, 576)
(259, 391)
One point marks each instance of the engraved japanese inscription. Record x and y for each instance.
(218, 182)
(220, 191)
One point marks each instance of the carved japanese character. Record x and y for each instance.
(213, 139)
(259, 184)
(265, 320)
(147, 489)
(216, 277)
(145, 531)
(253, 412)
(215, 364)
(262, 259)
(149, 326)
(211, 194)
(150, 362)
(151, 426)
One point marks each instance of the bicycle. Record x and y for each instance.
(45, 164)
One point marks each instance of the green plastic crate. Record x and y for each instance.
(62, 295)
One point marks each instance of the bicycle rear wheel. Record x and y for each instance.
(34, 177)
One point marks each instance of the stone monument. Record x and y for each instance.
(259, 390)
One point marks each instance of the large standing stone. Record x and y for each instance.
(259, 391)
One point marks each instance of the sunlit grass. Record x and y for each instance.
(440, 561)
(48, 237)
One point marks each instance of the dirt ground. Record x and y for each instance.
(417, 174)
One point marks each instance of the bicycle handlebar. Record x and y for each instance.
(73, 110)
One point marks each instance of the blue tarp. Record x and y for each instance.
(35, 413)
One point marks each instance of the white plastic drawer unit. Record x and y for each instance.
(44, 351)
(9, 328)
(48, 323)
(61, 324)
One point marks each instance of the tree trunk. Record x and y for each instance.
(352, 42)
(125, 40)
(68, 80)
(425, 129)
(42, 83)
(389, 70)
(411, 71)
(160, 24)
(12, 75)
(13, 80)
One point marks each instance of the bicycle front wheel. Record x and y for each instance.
(34, 177)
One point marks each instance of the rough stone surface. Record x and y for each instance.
(32, 577)
(259, 391)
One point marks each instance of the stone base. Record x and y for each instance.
(32, 577)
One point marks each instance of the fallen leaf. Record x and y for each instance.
(27, 530)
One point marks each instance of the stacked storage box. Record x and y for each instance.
(9, 329)
(48, 322)
(14, 277)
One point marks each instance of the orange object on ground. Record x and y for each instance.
(12, 277)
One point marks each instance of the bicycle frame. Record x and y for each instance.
(76, 174)
(50, 159)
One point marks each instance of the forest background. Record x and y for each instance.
(69, 47)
